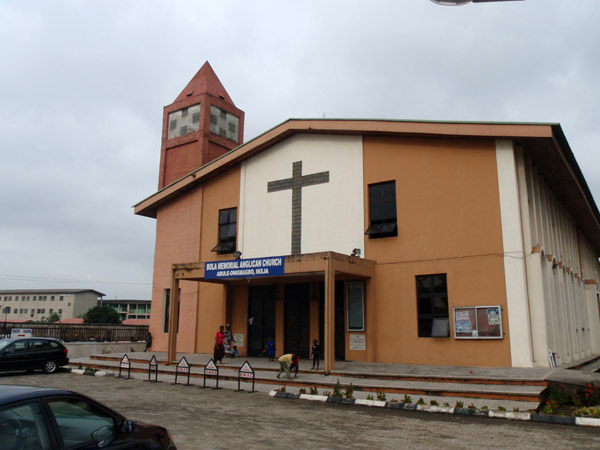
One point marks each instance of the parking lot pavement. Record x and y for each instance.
(207, 418)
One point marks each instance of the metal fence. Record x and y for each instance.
(76, 332)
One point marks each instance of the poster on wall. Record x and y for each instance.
(493, 316)
(478, 322)
(462, 321)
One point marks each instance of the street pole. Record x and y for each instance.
(5, 314)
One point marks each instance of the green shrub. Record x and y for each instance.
(380, 395)
(459, 404)
(370, 397)
(434, 403)
(313, 390)
(587, 412)
(302, 391)
(420, 401)
(589, 395)
(337, 390)
(501, 408)
(349, 391)
(407, 399)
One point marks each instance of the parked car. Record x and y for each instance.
(30, 353)
(49, 419)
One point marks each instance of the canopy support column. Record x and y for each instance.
(329, 341)
(173, 319)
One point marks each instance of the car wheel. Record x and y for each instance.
(50, 366)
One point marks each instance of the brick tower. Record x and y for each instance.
(200, 125)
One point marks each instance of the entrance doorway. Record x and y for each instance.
(297, 319)
(261, 318)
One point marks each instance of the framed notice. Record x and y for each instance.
(358, 342)
(477, 322)
(239, 339)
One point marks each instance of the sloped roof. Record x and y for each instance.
(73, 320)
(48, 291)
(205, 81)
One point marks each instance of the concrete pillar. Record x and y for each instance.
(591, 300)
(173, 319)
(329, 340)
(537, 309)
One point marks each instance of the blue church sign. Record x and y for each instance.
(245, 268)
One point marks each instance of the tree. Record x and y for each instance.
(54, 317)
(102, 314)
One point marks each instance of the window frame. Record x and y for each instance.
(432, 297)
(380, 224)
(227, 244)
(361, 308)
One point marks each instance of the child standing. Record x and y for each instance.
(316, 354)
(271, 350)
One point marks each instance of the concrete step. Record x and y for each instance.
(427, 386)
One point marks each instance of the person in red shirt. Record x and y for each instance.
(219, 351)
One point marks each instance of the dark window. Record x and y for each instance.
(167, 308)
(432, 305)
(227, 231)
(382, 210)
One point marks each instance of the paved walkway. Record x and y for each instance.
(562, 373)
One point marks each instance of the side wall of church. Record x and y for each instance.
(177, 241)
(562, 266)
(449, 222)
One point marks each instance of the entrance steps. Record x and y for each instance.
(442, 384)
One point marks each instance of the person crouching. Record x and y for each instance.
(287, 362)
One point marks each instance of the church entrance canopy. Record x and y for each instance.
(324, 266)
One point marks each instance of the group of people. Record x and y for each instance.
(224, 347)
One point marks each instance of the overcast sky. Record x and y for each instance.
(83, 85)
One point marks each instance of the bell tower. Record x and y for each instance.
(200, 125)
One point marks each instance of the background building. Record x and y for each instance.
(38, 304)
(129, 309)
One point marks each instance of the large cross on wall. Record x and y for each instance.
(296, 183)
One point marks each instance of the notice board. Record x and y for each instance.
(477, 322)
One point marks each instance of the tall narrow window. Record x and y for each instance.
(382, 210)
(355, 306)
(227, 231)
(167, 308)
(432, 305)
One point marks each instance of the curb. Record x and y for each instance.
(98, 373)
(531, 417)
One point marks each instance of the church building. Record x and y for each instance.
(418, 242)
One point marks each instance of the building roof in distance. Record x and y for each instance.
(48, 291)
